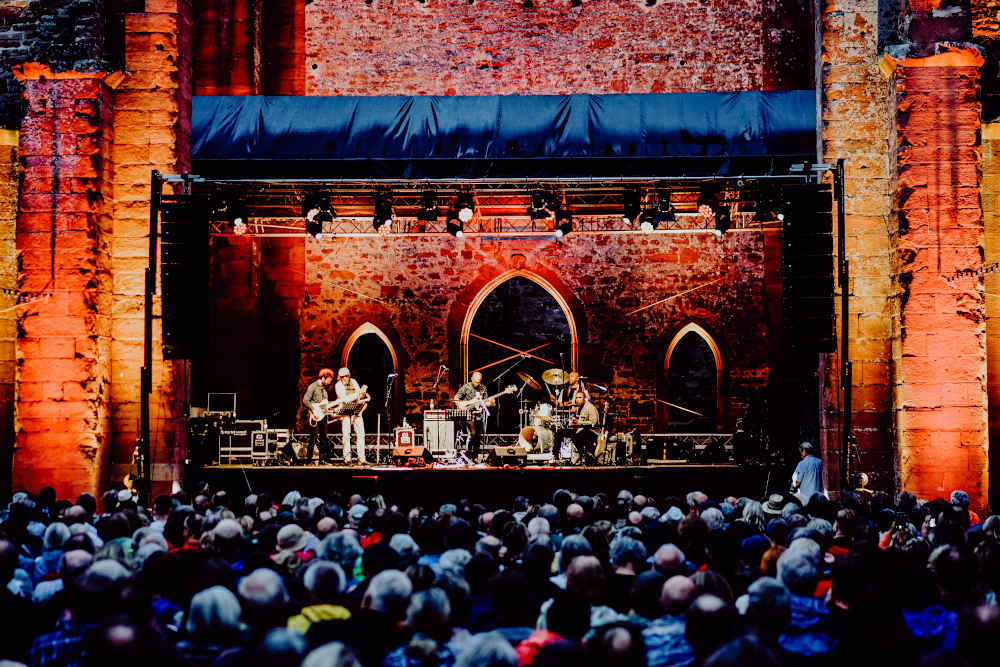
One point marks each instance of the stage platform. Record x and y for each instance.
(433, 485)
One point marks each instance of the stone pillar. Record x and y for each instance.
(940, 355)
(856, 127)
(152, 129)
(10, 175)
(63, 234)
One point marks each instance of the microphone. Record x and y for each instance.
(392, 375)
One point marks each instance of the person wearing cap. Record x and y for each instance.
(315, 394)
(291, 555)
(808, 476)
(348, 391)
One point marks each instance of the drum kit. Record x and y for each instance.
(541, 422)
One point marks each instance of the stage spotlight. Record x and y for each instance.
(428, 207)
(454, 225)
(766, 210)
(539, 209)
(706, 204)
(465, 206)
(314, 228)
(723, 219)
(382, 219)
(317, 208)
(631, 207)
(564, 222)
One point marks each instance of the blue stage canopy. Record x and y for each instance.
(540, 136)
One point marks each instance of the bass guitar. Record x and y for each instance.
(480, 401)
(335, 408)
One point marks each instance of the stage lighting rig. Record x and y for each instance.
(564, 221)
(465, 205)
(539, 209)
(631, 207)
(382, 219)
(428, 207)
(316, 209)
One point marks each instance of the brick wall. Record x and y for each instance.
(857, 127)
(499, 47)
(10, 173)
(424, 287)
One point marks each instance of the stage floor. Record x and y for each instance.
(486, 484)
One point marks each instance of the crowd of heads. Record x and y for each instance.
(209, 578)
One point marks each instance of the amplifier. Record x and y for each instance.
(411, 456)
(439, 433)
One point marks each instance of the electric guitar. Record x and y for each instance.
(328, 408)
(478, 400)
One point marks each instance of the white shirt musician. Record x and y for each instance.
(348, 391)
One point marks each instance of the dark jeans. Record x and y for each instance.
(325, 451)
(585, 440)
(475, 429)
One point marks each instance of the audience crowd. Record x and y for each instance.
(665, 581)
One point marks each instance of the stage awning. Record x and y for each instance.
(541, 136)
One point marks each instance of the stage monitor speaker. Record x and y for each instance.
(508, 456)
(184, 274)
(412, 456)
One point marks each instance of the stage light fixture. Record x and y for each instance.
(539, 209)
(706, 204)
(314, 228)
(564, 222)
(723, 219)
(382, 219)
(454, 225)
(631, 207)
(767, 210)
(317, 208)
(428, 207)
(465, 205)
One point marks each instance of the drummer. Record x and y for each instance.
(566, 395)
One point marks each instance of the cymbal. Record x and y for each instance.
(528, 380)
(555, 377)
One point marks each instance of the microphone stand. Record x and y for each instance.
(385, 407)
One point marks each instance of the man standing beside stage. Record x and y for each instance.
(348, 391)
(808, 476)
(469, 396)
(316, 393)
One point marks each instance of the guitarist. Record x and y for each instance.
(471, 390)
(348, 391)
(316, 393)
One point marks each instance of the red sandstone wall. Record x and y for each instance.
(63, 230)
(498, 47)
(426, 283)
(856, 126)
(941, 408)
